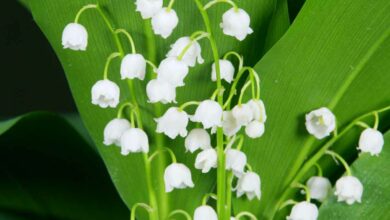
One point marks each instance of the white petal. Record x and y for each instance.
(75, 37)
(164, 22)
(105, 93)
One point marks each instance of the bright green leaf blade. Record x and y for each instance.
(336, 55)
(374, 174)
(49, 171)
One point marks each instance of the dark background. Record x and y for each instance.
(31, 77)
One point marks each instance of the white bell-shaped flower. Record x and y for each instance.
(243, 114)
(148, 8)
(160, 91)
(236, 23)
(134, 140)
(258, 110)
(173, 71)
(371, 141)
(205, 212)
(303, 211)
(209, 113)
(197, 139)
(255, 129)
(349, 189)
(133, 66)
(105, 93)
(226, 69)
(235, 161)
(114, 130)
(177, 176)
(173, 123)
(320, 122)
(192, 54)
(229, 124)
(75, 37)
(249, 184)
(164, 22)
(319, 187)
(206, 160)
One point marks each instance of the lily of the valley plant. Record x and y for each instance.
(222, 121)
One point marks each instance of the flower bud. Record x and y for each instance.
(133, 66)
(148, 8)
(160, 91)
(105, 93)
(255, 129)
(134, 140)
(193, 53)
(258, 110)
(320, 122)
(371, 141)
(229, 124)
(303, 211)
(164, 21)
(173, 123)
(206, 160)
(209, 113)
(236, 23)
(226, 69)
(173, 71)
(249, 184)
(75, 37)
(319, 187)
(235, 161)
(243, 114)
(205, 212)
(349, 189)
(177, 176)
(114, 130)
(197, 138)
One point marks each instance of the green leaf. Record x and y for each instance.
(335, 54)
(47, 170)
(374, 174)
(83, 69)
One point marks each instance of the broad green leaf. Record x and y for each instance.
(47, 170)
(335, 54)
(374, 174)
(83, 69)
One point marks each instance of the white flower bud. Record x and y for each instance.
(205, 212)
(371, 141)
(349, 189)
(243, 114)
(164, 22)
(177, 176)
(160, 91)
(75, 37)
(197, 138)
(303, 211)
(258, 110)
(148, 8)
(235, 161)
(114, 130)
(133, 66)
(193, 53)
(249, 184)
(105, 93)
(206, 160)
(209, 113)
(173, 71)
(173, 123)
(320, 122)
(134, 140)
(236, 23)
(255, 129)
(226, 69)
(229, 124)
(319, 187)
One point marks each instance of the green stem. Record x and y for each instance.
(141, 205)
(81, 11)
(248, 214)
(234, 85)
(122, 107)
(244, 88)
(287, 203)
(221, 172)
(362, 124)
(208, 5)
(376, 124)
(319, 169)
(181, 212)
(107, 65)
(123, 31)
(185, 105)
(307, 191)
(150, 63)
(170, 5)
(162, 150)
(207, 196)
(192, 41)
(341, 159)
(239, 57)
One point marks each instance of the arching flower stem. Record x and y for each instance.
(129, 37)
(141, 205)
(376, 123)
(239, 57)
(180, 212)
(304, 187)
(82, 10)
(319, 169)
(287, 203)
(132, 113)
(163, 150)
(193, 40)
(247, 214)
(248, 167)
(214, 2)
(242, 93)
(217, 92)
(207, 196)
(108, 62)
(170, 5)
(185, 105)
(150, 63)
(336, 157)
(231, 142)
